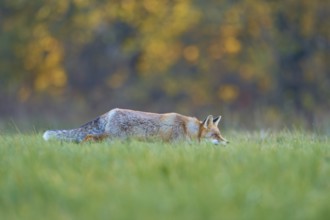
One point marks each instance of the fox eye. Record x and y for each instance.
(215, 135)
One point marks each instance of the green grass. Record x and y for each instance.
(285, 175)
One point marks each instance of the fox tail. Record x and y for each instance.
(95, 127)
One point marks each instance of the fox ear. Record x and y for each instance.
(217, 120)
(208, 121)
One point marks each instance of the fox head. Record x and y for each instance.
(209, 130)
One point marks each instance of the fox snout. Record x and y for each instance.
(223, 140)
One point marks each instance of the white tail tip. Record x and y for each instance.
(46, 136)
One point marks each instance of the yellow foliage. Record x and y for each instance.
(184, 16)
(158, 56)
(153, 37)
(82, 3)
(43, 12)
(191, 53)
(158, 32)
(56, 78)
(229, 30)
(41, 82)
(228, 93)
(232, 45)
(44, 56)
(127, 6)
(117, 79)
(233, 14)
(308, 22)
(154, 6)
(215, 51)
(247, 72)
(228, 34)
(199, 95)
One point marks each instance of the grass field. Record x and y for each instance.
(283, 175)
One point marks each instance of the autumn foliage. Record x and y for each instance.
(245, 57)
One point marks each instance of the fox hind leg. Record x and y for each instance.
(95, 137)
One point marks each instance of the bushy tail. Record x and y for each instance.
(73, 135)
(96, 126)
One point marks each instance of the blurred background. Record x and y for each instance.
(259, 63)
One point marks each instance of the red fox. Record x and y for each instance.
(124, 123)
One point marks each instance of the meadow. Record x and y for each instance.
(259, 175)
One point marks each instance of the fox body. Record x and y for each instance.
(124, 123)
